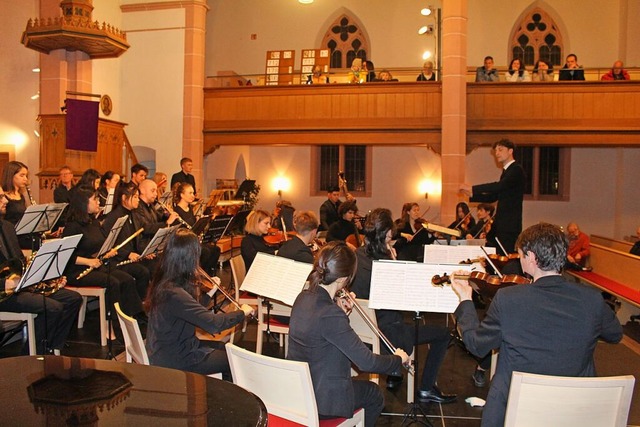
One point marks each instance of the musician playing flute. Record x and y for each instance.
(61, 306)
(15, 178)
(120, 286)
(378, 231)
(320, 334)
(183, 197)
(175, 307)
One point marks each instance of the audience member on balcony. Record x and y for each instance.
(369, 69)
(571, 70)
(318, 78)
(517, 72)
(357, 73)
(542, 72)
(487, 73)
(617, 72)
(385, 76)
(427, 74)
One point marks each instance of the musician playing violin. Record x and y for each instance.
(258, 223)
(549, 327)
(464, 220)
(411, 234)
(320, 334)
(479, 230)
(345, 226)
(175, 307)
(61, 307)
(297, 248)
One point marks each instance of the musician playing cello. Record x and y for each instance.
(549, 327)
(320, 334)
(175, 309)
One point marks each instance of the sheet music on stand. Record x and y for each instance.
(442, 254)
(108, 204)
(406, 286)
(39, 218)
(462, 242)
(276, 277)
(159, 240)
(49, 262)
(110, 241)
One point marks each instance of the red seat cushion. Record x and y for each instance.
(275, 421)
(613, 286)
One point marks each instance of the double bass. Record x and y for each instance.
(353, 239)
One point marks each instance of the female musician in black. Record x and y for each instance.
(108, 182)
(121, 287)
(345, 226)
(257, 226)
(175, 310)
(15, 178)
(411, 234)
(464, 220)
(183, 197)
(127, 198)
(320, 334)
(378, 231)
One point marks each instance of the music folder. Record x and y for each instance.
(39, 218)
(49, 262)
(406, 286)
(276, 277)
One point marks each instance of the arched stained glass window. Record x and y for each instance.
(346, 41)
(536, 37)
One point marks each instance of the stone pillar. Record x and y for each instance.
(193, 114)
(454, 104)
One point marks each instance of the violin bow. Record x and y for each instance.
(491, 263)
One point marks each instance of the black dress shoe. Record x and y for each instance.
(436, 396)
(394, 381)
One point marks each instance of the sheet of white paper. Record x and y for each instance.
(440, 254)
(277, 278)
(408, 287)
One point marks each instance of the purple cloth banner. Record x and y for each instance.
(82, 125)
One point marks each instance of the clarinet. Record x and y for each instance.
(180, 220)
(31, 199)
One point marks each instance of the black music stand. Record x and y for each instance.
(38, 219)
(159, 241)
(110, 241)
(218, 226)
(201, 226)
(47, 264)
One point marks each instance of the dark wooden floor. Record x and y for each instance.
(454, 377)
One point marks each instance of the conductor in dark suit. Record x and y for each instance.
(297, 248)
(549, 327)
(186, 164)
(320, 334)
(508, 192)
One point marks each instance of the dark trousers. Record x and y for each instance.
(141, 275)
(215, 362)
(61, 313)
(120, 286)
(366, 395)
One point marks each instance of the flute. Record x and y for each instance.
(116, 248)
(180, 220)
(371, 324)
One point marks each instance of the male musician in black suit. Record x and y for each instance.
(186, 164)
(329, 209)
(508, 192)
(549, 327)
(146, 216)
(61, 306)
(297, 247)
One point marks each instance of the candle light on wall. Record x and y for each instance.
(281, 184)
(427, 187)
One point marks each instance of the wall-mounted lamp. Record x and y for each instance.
(281, 184)
(426, 30)
(427, 11)
(427, 186)
(305, 1)
(426, 55)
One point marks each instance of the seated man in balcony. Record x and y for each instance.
(571, 70)
(487, 73)
(427, 74)
(617, 72)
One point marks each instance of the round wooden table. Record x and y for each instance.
(57, 390)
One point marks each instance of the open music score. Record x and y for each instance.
(276, 278)
(443, 254)
(406, 286)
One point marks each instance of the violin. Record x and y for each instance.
(485, 284)
(276, 238)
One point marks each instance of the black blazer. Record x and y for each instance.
(250, 246)
(328, 214)
(296, 250)
(509, 193)
(550, 327)
(183, 177)
(565, 74)
(320, 334)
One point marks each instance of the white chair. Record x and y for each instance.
(369, 337)
(133, 343)
(274, 326)
(28, 327)
(284, 386)
(93, 291)
(543, 400)
(239, 272)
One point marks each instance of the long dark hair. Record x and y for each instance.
(124, 189)
(178, 268)
(335, 260)
(10, 170)
(88, 179)
(520, 70)
(378, 224)
(465, 209)
(78, 208)
(404, 217)
(107, 176)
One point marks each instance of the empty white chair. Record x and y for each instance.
(28, 328)
(133, 343)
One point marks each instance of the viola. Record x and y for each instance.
(485, 284)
